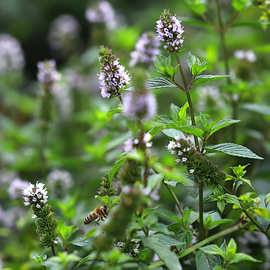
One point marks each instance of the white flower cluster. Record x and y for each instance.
(11, 54)
(102, 13)
(131, 144)
(16, 188)
(249, 55)
(147, 47)
(153, 194)
(170, 31)
(60, 177)
(140, 105)
(35, 195)
(175, 148)
(63, 31)
(112, 77)
(47, 73)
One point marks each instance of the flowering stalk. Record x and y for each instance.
(112, 77)
(36, 197)
(47, 76)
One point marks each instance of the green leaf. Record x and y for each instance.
(233, 149)
(239, 4)
(162, 248)
(263, 109)
(173, 133)
(172, 173)
(196, 64)
(192, 130)
(197, 6)
(213, 249)
(239, 257)
(164, 66)
(222, 124)
(208, 78)
(64, 230)
(182, 114)
(206, 261)
(231, 250)
(229, 198)
(263, 213)
(115, 168)
(267, 199)
(174, 112)
(159, 82)
(154, 180)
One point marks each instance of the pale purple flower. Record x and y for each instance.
(248, 56)
(61, 178)
(64, 32)
(11, 54)
(35, 195)
(147, 47)
(140, 105)
(170, 31)
(113, 76)
(126, 189)
(16, 188)
(47, 73)
(103, 12)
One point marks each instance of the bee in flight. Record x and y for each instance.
(99, 213)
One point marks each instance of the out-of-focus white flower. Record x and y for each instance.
(209, 96)
(60, 178)
(147, 47)
(6, 178)
(140, 105)
(16, 188)
(112, 76)
(35, 195)
(47, 73)
(64, 32)
(10, 216)
(245, 55)
(126, 189)
(170, 31)
(132, 144)
(11, 54)
(153, 194)
(103, 12)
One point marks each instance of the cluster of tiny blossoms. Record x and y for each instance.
(47, 73)
(147, 47)
(248, 56)
(102, 13)
(16, 188)
(35, 195)
(170, 31)
(60, 177)
(182, 149)
(112, 76)
(63, 31)
(11, 54)
(131, 144)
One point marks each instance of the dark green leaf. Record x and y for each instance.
(206, 261)
(208, 78)
(222, 124)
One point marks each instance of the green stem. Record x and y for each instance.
(202, 231)
(204, 242)
(53, 250)
(178, 204)
(222, 31)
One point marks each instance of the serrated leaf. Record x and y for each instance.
(263, 109)
(206, 261)
(159, 82)
(213, 249)
(157, 244)
(173, 133)
(196, 64)
(192, 130)
(239, 257)
(222, 124)
(64, 230)
(233, 149)
(208, 78)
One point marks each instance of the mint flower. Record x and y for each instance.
(249, 55)
(147, 47)
(47, 73)
(113, 76)
(16, 188)
(170, 31)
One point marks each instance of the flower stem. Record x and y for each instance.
(178, 204)
(53, 250)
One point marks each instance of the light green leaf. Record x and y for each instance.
(239, 4)
(173, 133)
(208, 78)
(115, 168)
(64, 230)
(174, 112)
(222, 124)
(233, 149)
(192, 130)
(182, 114)
(263, 109)
(206, 262)
(267, 199)
(162, 248)
(196, 64)
(239, 257)
(197, 6)
(231, 250)
(263, 213)
(154, 180)
(213, 249)
(159, 82)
